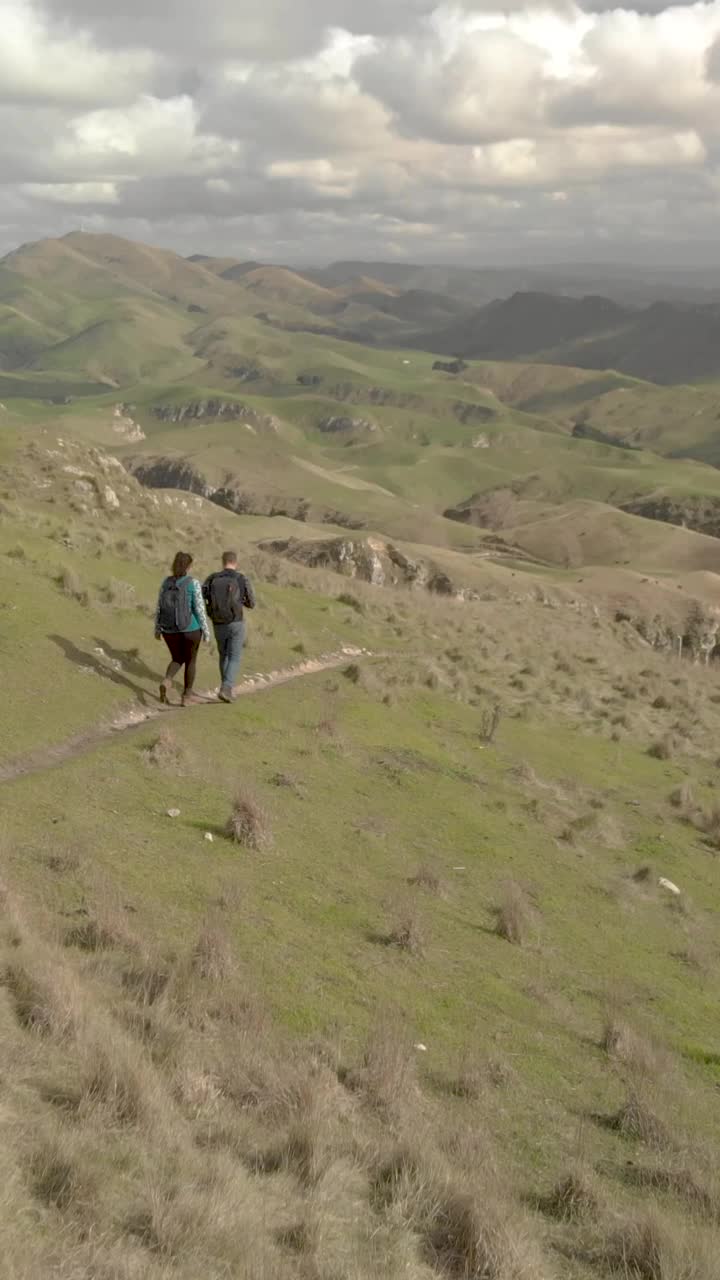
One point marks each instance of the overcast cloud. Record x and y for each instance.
(304, 130)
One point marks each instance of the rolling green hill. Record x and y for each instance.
(405, 966)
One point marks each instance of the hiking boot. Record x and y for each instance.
(164, 692)
(226, 694)
(190, 700)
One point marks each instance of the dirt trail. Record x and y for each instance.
(49, 757)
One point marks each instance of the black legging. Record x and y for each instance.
(183, 646)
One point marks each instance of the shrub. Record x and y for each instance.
(664, 749)
(248, 823)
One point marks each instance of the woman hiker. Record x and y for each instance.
(181, 621)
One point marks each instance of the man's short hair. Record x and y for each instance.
(229, 557)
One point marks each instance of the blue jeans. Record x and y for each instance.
(230, 639)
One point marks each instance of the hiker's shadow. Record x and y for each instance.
(93, 662)
(129, 659)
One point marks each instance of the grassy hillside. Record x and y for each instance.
(430, 1013)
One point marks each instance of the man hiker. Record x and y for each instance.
(226, 594)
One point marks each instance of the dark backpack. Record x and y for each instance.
(175, 613)
(224, 598)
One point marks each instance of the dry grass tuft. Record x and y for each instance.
(683, 799)
(647, 1247)
(574, 1198)
(664, 748)
(248, 824)
(212, 956)
(638, 1122)
(692, 1180)
(514, 917)
(408, 932)
(47, 997)
(428, 879)
(387, 1077)
(166, 753)
(56, 1179)
(474, 1237)
(71, 586)
(490, 719)
(643, 1058)
(119, 1081)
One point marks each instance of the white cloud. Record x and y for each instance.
(311, 127)
(38, 65)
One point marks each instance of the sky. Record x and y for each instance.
(310, 130)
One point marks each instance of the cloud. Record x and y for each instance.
(64, 66)
(313, 128)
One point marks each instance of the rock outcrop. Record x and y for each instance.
(179, 473)
(340, 424)
(372, 560)
(692, 511)
(216, 410)
(466, 411)
(125, 425)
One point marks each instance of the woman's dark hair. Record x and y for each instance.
(181, 564)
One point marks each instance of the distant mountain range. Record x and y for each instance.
(665, 342)
(108, 311)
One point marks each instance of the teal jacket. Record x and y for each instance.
(198, 620)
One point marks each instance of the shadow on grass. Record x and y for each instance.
(89, 661)
(130, 661)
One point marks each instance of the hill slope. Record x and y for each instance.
(432, 991)
(664, 343)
